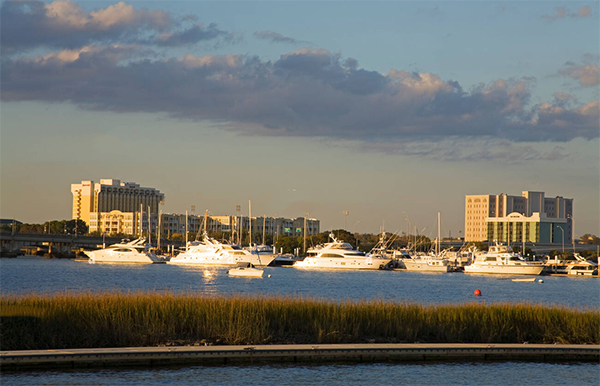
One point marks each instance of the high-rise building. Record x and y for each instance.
(530, 217)
(109, 195)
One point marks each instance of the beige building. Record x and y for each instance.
(489, 217)
(109, 195)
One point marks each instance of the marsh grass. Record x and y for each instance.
(152, 319)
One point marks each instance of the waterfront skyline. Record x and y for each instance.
(390, 111)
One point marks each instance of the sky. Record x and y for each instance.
(391, 111)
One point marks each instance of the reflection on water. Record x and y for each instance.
(498, 373)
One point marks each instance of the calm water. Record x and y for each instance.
(36, 275)
(502, 373)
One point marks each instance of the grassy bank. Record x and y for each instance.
(150, 319)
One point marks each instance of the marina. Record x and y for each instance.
(46, 276)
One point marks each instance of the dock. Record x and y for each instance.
(224, 355)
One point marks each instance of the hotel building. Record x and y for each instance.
(530, 217)
(117, 207)
(109, 195)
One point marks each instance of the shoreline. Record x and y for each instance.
(258, 354)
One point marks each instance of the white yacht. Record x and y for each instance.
(209, 251)
(579, 267)
(338, 254)
(136, 251)
(501, 259)
(426, 263)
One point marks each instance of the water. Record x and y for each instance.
(43, 276)
(37, 275)
(498, 373)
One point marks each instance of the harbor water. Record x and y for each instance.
(26, 275)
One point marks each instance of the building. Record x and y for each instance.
(235, 225)
(109, 195)
(530, 217)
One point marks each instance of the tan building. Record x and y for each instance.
(485, 214)
(109, 195)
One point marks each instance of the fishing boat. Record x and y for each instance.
(340, 255)
(245, 270)
(136, 251)
(500, 259)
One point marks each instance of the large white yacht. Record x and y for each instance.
(338, 254)
(136, 251)
(501, 259)
(209, 251)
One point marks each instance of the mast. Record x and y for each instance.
(159, 216)
(437, 247)
(186, 231)
(264, 225)
(205, 220)
(141, 233)
(250, 220)
(149, 227)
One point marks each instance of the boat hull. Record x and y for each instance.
(424, 266)
(342, 263)
(211, 259)
(505, 269)
(122, 258)
(246, 272)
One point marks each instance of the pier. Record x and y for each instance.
(223, 355)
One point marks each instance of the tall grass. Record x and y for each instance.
(151, 319)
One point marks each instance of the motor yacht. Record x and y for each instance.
(209, 251)
(426, 263)
(500, 259)
(136, 251)
(579, 267)
(338, 254)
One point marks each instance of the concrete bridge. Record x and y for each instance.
(60, 245)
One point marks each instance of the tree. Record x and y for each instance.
(590, 239)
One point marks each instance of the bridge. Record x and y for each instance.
(59, 245)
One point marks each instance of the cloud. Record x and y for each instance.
(65, 24)
(562, 12)
(305, 93)
(587, 74)
(275, 37)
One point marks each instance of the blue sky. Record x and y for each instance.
(383, 109)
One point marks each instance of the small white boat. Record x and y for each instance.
(527, 279)
(136, 251)
(246, 270)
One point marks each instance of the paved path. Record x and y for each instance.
(199, 355)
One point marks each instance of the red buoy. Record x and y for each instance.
(477, 292)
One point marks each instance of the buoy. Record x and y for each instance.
(268, 275)
(477, 292)
(540, 281)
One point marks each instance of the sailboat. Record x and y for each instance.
(429, 263)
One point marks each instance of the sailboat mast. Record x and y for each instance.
(205, 220)
(264, 225)
(149, 227)
(186, 231)
(437, 252)
(250, 220)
